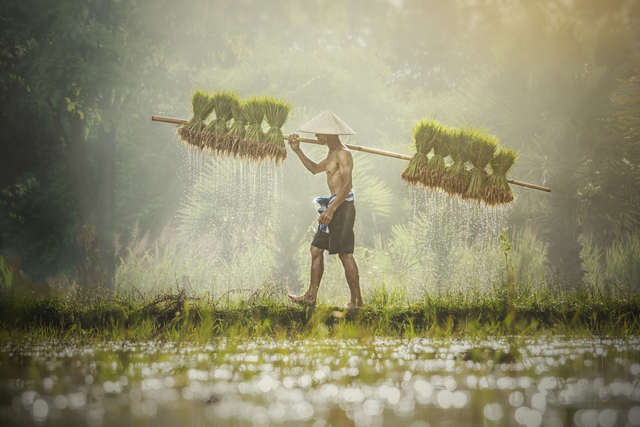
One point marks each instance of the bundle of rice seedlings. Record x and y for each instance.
(411, 173)
(480, 150)
(496, 190)
(225, 141)
(254, 109)
(216, 130)
(424, 133)
(276, 112)
(202, 105)
(432, 172)
(456, 177)
(237, 129)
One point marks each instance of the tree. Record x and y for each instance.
(85, 62)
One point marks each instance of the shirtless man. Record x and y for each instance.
(339, 217)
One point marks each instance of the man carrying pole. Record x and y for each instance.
(337, 213)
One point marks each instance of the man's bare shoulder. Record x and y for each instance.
(344, 156)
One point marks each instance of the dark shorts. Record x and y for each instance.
(339, 239)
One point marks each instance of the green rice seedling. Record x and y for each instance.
(424, 133)
(431, 174)
(496, 190)
(248, 148)
(255, 135)
(276, 112)
(217, 129)
(456, 176)
(237, 129)
(480, 150)
(226, 141)
(202, 106)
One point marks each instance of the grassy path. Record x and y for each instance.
(504, 311)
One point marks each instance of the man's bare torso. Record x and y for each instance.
(334, 179)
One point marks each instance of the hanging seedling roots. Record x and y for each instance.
(455, 179)
(431, 174)
(411, 173)
(494, 196)
(187, 136)
(454, 185)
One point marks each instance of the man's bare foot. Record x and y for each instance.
(352, 304)
(351, 309)
(301, 299)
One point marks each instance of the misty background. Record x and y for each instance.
(92, 191)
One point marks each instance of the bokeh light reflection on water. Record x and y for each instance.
(366, 383)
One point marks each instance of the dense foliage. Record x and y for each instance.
(81, 78)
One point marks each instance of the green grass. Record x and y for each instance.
(504, 311)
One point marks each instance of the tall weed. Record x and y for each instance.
(623, 263)
(592, 264)
(528, 257)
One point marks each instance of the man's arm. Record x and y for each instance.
(345, 168)
(312, 166)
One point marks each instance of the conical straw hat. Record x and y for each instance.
(327, 123)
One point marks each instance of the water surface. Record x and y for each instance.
(368, 382)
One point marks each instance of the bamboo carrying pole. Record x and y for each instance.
(355, 148)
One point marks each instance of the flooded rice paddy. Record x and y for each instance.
(369, 382)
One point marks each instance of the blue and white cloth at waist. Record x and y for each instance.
(324, 202)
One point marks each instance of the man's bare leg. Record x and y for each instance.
(317, 269)
(353, 279)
